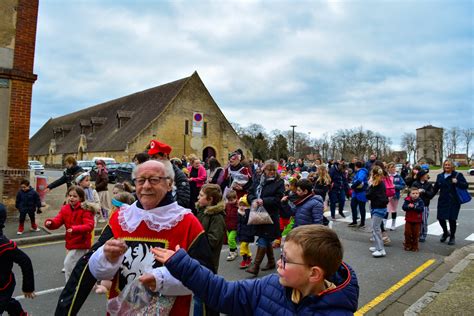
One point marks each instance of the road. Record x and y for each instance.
(374, 275)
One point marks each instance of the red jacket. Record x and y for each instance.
(201, 178)
(80, 221)
(231, 216)
(413, 214)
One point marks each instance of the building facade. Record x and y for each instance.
(429, 143)
(18, 19)
(181, 113)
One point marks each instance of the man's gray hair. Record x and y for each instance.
(169, 171)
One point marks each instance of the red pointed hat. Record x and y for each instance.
(157, 147)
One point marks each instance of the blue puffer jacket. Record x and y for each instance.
(398, 183)
(265, 296)
(27, 200)
(309, 211)
(360, 178)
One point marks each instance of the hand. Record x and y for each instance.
(114, 249)
(421, 190)
(237, 187)
(31, 295)
(47, 190)
(411, 205)
(47, 223)
(455, 180)
(69, 230)
(162, 255)
(148, 280)
(285, 198)
(259, 202)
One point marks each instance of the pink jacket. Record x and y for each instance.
(201, 178)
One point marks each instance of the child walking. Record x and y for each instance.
(231, 222)
(92, 200)
(287, 204)
(413, 206)
(27, 203)
(79, 224)
(399, 184)
(245, 233)
(426, 194)
(378, 209)
(309, 207)
(10, 254)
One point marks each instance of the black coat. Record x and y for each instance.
(377, 196)
(245, 233)
(272, 192)
(428, 193)
(67, 177)
(448, 202)
(27, 201)
(9, 254)
(183, 191)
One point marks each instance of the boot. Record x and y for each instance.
(255, 268)
(271, 260)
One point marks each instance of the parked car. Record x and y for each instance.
(87, 165)
(124, 172)
(36, 166)
(471, 171)
(111, 169)
(107, 160)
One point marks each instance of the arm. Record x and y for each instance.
(216, 233)
(317, 212)
(87, 225)
(56, 222)
(101, 268)
(37, 200)
(166, 284)
(274, 201)
(101, 181)
(58, 182)
(400, 184)
(202, 175)
(17, 202)
(20, 258)
(461, 181)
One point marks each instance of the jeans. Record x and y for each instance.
(377, 232)
(424, 223)
(337, 197)
(264, 242)
(354, 204)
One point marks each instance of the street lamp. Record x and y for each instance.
(293, 143)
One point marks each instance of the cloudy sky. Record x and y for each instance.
(389, 66)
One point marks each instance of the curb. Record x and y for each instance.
(47, 238)
(443, 284)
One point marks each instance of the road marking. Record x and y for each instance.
(470, 237)
(20, 297)
(42, 244)
(390, 291)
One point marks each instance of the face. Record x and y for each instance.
(234, 160)
(392, 169)
(116, 191)
(242, 207)
(150, 195)
(86, 182)
(100, 166)
(73, 197)
(202, 199)
(295, 273)
(232, 200)
(414, 194)
(448, 167)
(300, 192)
(372, 157)
(270, 172)
(24, 187)
(300, 161)
(196, 163)
(68, 165)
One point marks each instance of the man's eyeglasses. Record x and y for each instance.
(284, 261)
(151, 180)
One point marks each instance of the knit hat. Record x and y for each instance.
(81, 177)
(157, 147)
(244, 200)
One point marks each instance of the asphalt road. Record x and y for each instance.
(374, 275)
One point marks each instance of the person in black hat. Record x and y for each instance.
(426, 194)
(9, 254)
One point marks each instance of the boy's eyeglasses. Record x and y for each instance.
(284, 261)
(151, 180)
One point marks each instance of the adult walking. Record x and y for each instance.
(359, 188)
(197, 178)
(448, 202)
(339, 187)
(69, 174)
(215, 174)
(101, 186)
(267, 192)
(237, 176)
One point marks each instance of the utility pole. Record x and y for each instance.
(293, 142)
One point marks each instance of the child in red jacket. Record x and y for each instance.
(413, 206)
(79, 224)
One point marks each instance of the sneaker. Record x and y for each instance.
(245, 263)
(444, 237)
(342, 214)
(452, 241)
(371, 239)
(19, 233)
(422, 239)
(232, 255)
(379, 254)
(63, 270)
(372, 249)
(352, 225)
(361, 225)
(392, 228)
(37, 229)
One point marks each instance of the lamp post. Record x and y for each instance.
(293, 142)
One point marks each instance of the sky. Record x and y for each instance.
(388, 66)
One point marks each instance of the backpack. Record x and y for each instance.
(389, 187)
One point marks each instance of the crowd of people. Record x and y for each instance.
(165, 231)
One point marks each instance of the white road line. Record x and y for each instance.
(20, 297)
(470, 237)
(435, 229)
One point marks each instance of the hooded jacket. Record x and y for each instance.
(309, 210)
(360, 184)
(212, 219)
(27, 200)
(265, 296)
(413, 214)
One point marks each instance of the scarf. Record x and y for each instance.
(157, 219)
(263, 181)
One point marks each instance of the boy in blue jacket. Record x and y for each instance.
(312, 279)
(27, 203)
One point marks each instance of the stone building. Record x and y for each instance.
(181, 113)
(429, 145)
(18, 20)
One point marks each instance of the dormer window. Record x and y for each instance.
(123, 117)
(86, 126)
(97, 122)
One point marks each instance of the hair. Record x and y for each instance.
(212, 191)
(25, 182)
(321, 247)
(414, 189)
(358, 164)
(377, 173)
(71, 160)
(177, 162)
(231, 194)
(270, 163)
(141, 157)
(380, 164)
(453, 166)
(125, 197)
(169, 171)
(80, 192)
(323, 175)
(305, 184)
(191, 158)
(124, 187)
(213, 163)
(390, 165)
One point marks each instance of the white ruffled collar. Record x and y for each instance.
(157, 219)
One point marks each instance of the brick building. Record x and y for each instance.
(18, 19)
(123, 127)
(429, 145)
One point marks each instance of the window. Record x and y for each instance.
(186, 127)
(204, 129)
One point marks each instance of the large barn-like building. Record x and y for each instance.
(181, 113)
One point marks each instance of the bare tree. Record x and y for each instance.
(452, 137)
(468, 133)
(408, 143)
